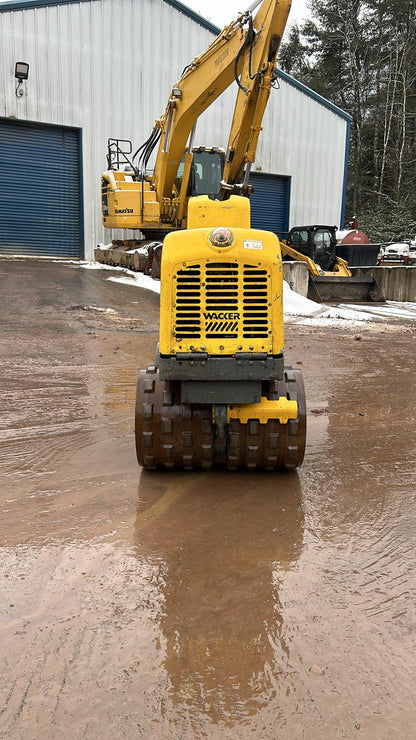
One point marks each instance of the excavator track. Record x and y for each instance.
(170, 434)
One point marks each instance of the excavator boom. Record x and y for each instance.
(244, 52)
(252, 54)
(257, 78)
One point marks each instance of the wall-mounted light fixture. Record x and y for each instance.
(21, 72)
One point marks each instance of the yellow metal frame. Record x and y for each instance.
(282, 410)
(341, 266)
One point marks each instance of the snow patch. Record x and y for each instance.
(390, 309)
(314, 314)
(90, 265)
(139, 280)
(98, 266)
(295, 304)
(301, 309)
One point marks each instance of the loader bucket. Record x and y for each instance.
(329, 289)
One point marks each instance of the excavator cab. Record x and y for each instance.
(206, 172)
(129, 199)
(206, 168)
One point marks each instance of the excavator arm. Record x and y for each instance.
(245, 52)
(250, 53)
(257, 78)
(202, 82)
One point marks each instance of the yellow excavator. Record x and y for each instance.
(219, 392)
(157, 203)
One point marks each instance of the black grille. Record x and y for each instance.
(221, 295)
(188, 315)
(209, 299)
(255, 303)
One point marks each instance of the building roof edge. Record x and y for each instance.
(314, 95)
(12, 5)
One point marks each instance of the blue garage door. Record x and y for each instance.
(40, 190)
(270, 202)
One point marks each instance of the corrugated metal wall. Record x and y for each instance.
(107, 67)
(305, 140)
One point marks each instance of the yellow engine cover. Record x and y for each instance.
(221, 300)
(122, 197)
(206, 213)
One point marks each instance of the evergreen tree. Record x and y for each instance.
(361, 55)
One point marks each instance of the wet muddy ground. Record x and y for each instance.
(198, 605)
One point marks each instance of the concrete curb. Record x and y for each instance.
(397, 283)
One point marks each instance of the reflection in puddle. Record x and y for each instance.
(224, 543)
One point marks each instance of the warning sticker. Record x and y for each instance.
(252, 244)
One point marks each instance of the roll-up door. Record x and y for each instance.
(40, 190)
(270, 202)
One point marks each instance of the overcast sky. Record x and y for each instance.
(221, 12)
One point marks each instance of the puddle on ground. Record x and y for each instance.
(199, 605)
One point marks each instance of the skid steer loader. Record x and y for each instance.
(330, 279)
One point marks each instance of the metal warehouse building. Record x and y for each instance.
(104, 68)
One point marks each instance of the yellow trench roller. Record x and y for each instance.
(219, 392)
